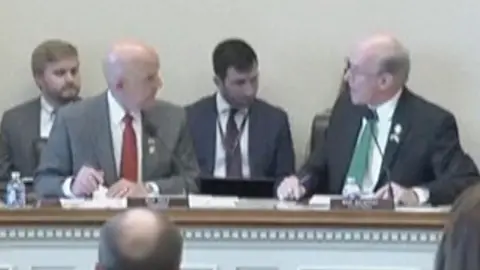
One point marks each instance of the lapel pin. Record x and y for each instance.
(151, 141)
(397, 129)
(395, 136)
(151, 145)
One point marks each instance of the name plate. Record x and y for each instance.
(160, 202)
(361, 204)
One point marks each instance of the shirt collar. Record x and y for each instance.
(385, 110)
(117, 112)
(223, 107)
(46, 106)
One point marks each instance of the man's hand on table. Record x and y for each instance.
(125, 188)
(401, 195)
(87, 181)
(290, 189)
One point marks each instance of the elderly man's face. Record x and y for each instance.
(141, 82)
(363, 78)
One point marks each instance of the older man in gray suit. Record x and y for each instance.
(123, 140)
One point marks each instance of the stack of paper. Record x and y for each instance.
(99, 201)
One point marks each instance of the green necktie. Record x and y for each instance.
(361, 155)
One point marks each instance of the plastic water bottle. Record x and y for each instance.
(351, 190)
(15, 193)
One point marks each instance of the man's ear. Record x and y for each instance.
(218, 82)
(386, 81)
(38, 81)
(161, 81)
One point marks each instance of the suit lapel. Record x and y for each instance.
(347, 138)
(31, 132)
(254, 139)
(398, 130)
(104, 144)
(34, 129)
(150, 153)
(208, 133)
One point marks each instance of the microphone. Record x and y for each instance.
(371, 115)
(151, 130)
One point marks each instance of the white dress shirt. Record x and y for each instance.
(47, 117)
(385, 113)
(117, 126)
(223, 110)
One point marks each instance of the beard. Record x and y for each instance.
(67, 94)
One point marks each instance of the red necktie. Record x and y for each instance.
(129, 163)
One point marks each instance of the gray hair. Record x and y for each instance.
(396, 63)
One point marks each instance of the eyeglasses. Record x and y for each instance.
(357, 71)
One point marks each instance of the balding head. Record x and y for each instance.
(131, 70)
(140, 239)
(379, 68)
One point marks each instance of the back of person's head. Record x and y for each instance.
(460, 245)
(139, 239)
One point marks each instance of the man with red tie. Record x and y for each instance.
(123, 139)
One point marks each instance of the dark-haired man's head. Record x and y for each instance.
(139, 239)
(236, 72)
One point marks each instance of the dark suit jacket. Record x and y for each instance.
(19, 129)
(428, 153)
(81, 135)
(270, 140)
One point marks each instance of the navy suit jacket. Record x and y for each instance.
(270, 141)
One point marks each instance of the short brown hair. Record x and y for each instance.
(49, 51)
(460, 244)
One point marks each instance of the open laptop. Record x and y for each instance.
(242, 188)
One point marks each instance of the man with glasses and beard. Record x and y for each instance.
(25, 128)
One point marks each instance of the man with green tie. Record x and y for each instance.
(415, 150)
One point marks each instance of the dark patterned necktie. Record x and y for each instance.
(232, 151)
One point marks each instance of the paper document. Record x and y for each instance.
(100, 193)
(99, 201)
(320, 200)
(207, 201)
(423, 209)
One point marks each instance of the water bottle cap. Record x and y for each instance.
(15, 174)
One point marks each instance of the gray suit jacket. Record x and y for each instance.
(19, 129)
(81, 136)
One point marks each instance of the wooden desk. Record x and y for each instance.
(235, 239)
